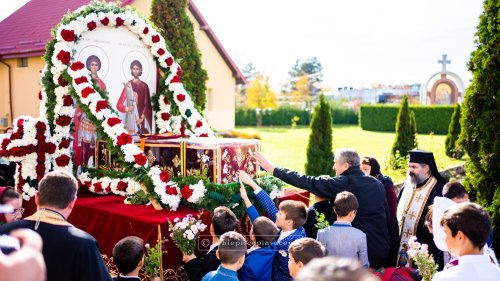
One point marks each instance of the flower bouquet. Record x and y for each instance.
(419, 253)
(184, 233)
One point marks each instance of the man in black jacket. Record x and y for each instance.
(372, 215)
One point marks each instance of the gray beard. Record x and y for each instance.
(410, 181)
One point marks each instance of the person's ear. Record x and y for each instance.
(300, 265)
(466, 198)
(36, 198)
(217, 254)
(241, 260)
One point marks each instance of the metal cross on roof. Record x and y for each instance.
(444, 62)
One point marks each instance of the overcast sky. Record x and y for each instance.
(358, 42)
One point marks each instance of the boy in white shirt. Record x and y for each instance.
(466, 227)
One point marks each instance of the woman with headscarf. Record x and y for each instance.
(371, 167)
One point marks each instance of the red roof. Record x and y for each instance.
(25, 32)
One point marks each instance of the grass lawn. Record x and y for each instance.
(286, 147)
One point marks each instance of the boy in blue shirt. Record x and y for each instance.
(290, 218)
(263, 234)
(231, 253)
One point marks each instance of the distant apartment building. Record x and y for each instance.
(376, 94)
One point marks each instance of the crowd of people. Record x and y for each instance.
(364, 228)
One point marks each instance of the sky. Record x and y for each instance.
(358, 42)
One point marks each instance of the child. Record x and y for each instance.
(9, 196)
(466, 227)
(223, 220)
(259, 259)
(403, 256)
(331, 268)
(341, 239)
(320, 208)
(231, 253)
(128, 255)
(289, 218)
(301, 252)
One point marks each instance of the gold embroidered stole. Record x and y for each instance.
(48, 216)
(410, 209)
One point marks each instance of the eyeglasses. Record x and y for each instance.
(17, 213)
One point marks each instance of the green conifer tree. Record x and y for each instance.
(319, 149)
(480, 135)
(177, 29)
(451, 146)
(406, 131)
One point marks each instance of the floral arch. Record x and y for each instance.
(38, 144)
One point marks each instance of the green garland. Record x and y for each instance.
(216, 195)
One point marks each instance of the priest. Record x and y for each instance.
(423, 183)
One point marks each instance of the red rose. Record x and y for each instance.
(64, 143)
(181, 97)
(50, 148)
(121, 186)
(176, 79)
(40, 169)
(198, 124)
(114, 121)
(124, 139)
(108, 188)
(77, 66)
(40, 127)
(61, 81)
(169, 61)
(105, 21)
(204, 135)
(119, 22)
(140, 159)
(63, 120)
(91, 25)
(102, 104)
(64, 57)
(67, 100)
(186, 192)
(15, 136)
(98, 187)
(146, 30)
(179, 72)
(161, 51)
(20, 122)
(171, 190)
(81, 80)
(165, 100)
(63, 160)
(68, 35)
(165, 116)
(87, 91)
(164, 176)
(155, 38)
(40, 95)
(87, 184)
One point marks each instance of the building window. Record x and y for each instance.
(22, 62)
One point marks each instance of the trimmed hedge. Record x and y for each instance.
(429, 118)
(283, 115)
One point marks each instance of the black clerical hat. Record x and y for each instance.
(426, 157)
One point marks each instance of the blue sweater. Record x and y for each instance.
(221, 274)
(258, 264)
(280, 264)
